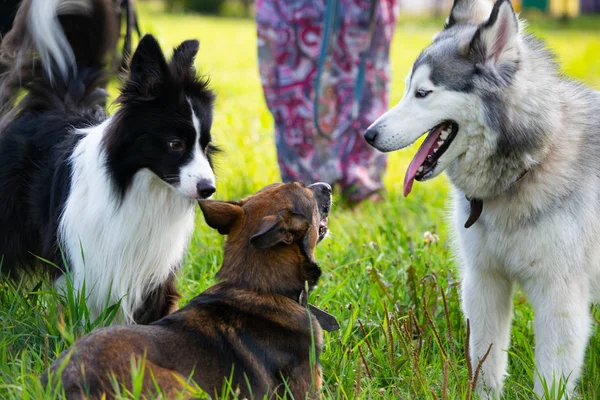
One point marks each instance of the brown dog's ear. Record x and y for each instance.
(221, 215)
(275, 229)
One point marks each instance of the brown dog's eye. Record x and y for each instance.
(176, 145)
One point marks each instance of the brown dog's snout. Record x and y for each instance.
(321, 186)
(322, 193)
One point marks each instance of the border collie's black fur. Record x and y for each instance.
(116, 195)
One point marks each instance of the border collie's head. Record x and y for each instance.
(164, 122)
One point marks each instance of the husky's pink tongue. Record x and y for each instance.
(419, 159)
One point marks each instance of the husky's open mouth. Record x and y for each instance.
(425, 161)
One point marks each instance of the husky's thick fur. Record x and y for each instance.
(114, 196)
(517, 137)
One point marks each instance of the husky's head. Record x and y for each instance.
(470, 63)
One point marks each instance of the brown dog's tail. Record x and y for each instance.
(58, 50)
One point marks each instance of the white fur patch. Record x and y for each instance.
(126, 248)
(47, 34)
(472, 11)
(198, 169)
(549, 259)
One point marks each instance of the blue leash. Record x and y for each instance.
(331, 11)
(330, 14)
(360, 79)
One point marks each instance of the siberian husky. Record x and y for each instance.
(521, 146)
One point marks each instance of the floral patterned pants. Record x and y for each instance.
(290, 34)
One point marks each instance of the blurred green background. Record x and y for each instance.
(389, 275)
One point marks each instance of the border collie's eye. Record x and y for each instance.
(176, 145)
(422, 93)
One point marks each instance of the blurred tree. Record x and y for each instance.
(204, 6)
(539, 4)
(238, 8)
(174, 5)
(247, 6)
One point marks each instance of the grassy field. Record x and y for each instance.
(395, 292)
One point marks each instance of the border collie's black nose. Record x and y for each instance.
(371, 135)
(205, 189)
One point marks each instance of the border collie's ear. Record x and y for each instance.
(496, 41)
(183, 59)
(221, 215)
(469, 11)
(275, 229)
(148, 69)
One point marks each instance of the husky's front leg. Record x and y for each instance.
(487, 304)
(562, 329)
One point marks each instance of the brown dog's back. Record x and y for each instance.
(250, 328)
(265, 338)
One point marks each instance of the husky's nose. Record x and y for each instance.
(205, 189)
(371, 135)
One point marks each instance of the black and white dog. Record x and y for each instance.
(112, 199)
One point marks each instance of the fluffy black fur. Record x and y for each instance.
(34, 185)
(39, 135)
(35, 145)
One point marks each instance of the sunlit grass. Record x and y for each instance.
(381, 279)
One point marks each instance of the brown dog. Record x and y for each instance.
(253, 326)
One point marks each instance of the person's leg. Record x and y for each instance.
(304, 156)
(363, 168)
(289, 41)
(362, 165)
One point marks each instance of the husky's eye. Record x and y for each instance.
(422, 93)
(176, 145)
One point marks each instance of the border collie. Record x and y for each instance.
(109, 199)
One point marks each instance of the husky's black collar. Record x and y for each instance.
(476, 205)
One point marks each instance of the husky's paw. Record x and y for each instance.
(490, 388)
(489, 394)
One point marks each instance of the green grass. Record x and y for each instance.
(385, 283)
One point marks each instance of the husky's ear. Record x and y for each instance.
(469, 11)
(496, 41)
(282, 228)
(221, 215)
(182, 62)
(148, 69)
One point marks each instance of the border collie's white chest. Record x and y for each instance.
(122, 247)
